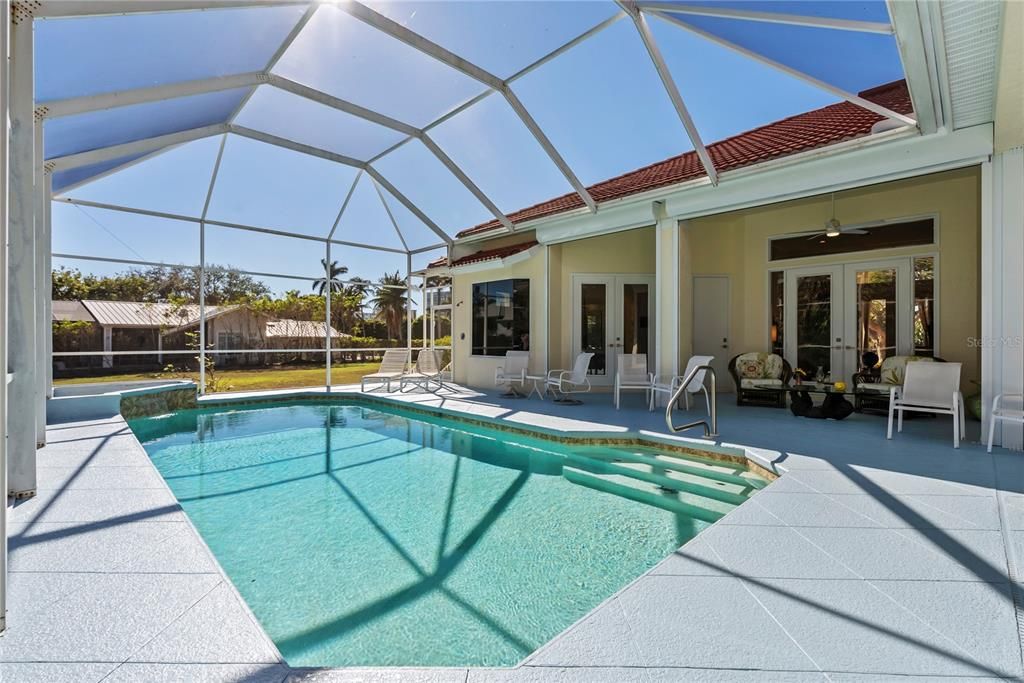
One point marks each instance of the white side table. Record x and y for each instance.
(539, 387)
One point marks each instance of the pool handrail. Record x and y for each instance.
(711, 424)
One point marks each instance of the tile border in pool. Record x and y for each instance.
(737, 455)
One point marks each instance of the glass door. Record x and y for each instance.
(613, 314)
(814, 316)
(878, 315)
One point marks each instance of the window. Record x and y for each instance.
(924, 306)
(888, 236)
(501, 317)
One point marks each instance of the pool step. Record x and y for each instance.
(649, 494)
(727, 492)
(719, 472)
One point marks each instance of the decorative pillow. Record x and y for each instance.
(759, 365)
(894, 367)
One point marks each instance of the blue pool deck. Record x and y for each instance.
(865, 560)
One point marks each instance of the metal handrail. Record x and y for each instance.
(710, 425)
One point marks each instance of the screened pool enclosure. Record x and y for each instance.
(269, 182)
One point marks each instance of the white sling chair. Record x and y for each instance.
(929, 388)
(563, 383)
(392, 366)
(696, 384)
(1003, 413)
(512, 372)
(631, 373)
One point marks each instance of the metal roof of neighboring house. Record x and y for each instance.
(299, 329)
(71, 311)
(810, 130)
(139, 314)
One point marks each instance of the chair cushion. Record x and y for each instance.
(759, 365)
(752, 383)
(894, 368)
(876, 386)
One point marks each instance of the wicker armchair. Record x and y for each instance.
(749, 370)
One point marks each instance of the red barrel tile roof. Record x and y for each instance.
(800, 133)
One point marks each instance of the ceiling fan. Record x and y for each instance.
(833, 228)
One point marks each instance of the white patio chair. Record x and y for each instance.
(512, 372)
(929, 388)
(427, 371)
(564, 383)
(695, 385)
(392, 366)
(1004, 414)
(631, 373)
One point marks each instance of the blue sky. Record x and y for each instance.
(601, 104)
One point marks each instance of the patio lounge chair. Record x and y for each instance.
(1004, 414)
(695, 385)
(631, 373)
(751, 370)
(512, 372)
(929, 388)
(564, 383)
(427, 370)
(392, 366)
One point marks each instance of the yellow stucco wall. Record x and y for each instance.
(735, 244)
(623, 252)
(478, 371)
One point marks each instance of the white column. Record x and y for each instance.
(159, 347)
(21, 465)
(42, 275)
(327, 313)
(408, 302)
(1002, 285)
(108, 361)
(666, 295)
(4, 105)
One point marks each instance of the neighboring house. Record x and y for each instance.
(116, 327)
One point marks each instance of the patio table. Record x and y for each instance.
(539, 386)
(834, 405)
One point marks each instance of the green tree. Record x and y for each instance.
(389, 303)
(336, 270)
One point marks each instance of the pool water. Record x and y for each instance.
(364, 537)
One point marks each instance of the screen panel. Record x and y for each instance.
(427, 87)
(302, 120)
(92, 55)
(88, 231)
(266, 186)
(605, 126)
(99, 129)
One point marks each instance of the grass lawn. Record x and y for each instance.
(252, 379)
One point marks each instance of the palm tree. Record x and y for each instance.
(320, 286)
(389, 302)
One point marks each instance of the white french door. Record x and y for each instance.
(612, 314)
(835, 314)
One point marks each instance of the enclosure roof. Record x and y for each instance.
(395, 125)
(792, 135)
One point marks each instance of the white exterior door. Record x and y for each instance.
(612, 314)
(711, 322)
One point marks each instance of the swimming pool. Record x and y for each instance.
(370, 536)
